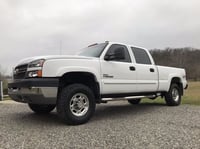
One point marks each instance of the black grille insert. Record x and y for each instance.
(20, 71)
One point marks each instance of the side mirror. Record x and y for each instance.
(118, 54)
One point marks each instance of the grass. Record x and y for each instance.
(191, 95)
(6, 98)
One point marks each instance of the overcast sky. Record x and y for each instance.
(37, 27)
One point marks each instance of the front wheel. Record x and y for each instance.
(76, 104)
(41, 109)
(173, 96)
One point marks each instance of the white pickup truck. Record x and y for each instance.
(99, 73)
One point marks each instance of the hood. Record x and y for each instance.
(30, 59)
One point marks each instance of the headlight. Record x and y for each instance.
(37, 63)
(35, 68)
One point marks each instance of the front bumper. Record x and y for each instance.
(35, 90)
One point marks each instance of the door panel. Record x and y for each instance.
(147, 78)
(147, 73)
(118, 77)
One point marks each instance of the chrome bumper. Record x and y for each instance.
(37, 90)
(32, 95)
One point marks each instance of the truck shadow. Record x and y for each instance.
(103, 112)
(30, 118)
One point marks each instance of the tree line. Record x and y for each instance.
(188, 58)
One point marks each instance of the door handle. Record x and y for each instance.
(132, 68)
(151, 70)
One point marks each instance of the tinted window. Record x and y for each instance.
(141, 56)
(94, 50)
(117, 47)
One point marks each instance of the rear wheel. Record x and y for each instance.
(134, 101)
(41, 109)
(173, 96)
(76, 104)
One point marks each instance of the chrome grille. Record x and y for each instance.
(20, 71)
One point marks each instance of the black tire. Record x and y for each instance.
(68, 104)
(173, 96)
(134, 101)
(41, 109)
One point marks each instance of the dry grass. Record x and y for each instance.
(191, 95)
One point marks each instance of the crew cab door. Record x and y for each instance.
(147, 73)
(117, 71)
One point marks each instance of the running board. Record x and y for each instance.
(128, 98)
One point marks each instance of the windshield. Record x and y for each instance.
(94, 50)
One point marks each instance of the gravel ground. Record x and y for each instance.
(114, 125)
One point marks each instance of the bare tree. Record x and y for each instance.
(188, 58)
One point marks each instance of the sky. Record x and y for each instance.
(48, 27)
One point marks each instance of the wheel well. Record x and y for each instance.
(85, 78)
(177, 81)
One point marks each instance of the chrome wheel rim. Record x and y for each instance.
(175, 94)
(79, 104)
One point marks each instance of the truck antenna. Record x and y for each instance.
(60, 51)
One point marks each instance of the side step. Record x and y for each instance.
(128, 98)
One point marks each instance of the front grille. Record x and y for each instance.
(20, 71)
